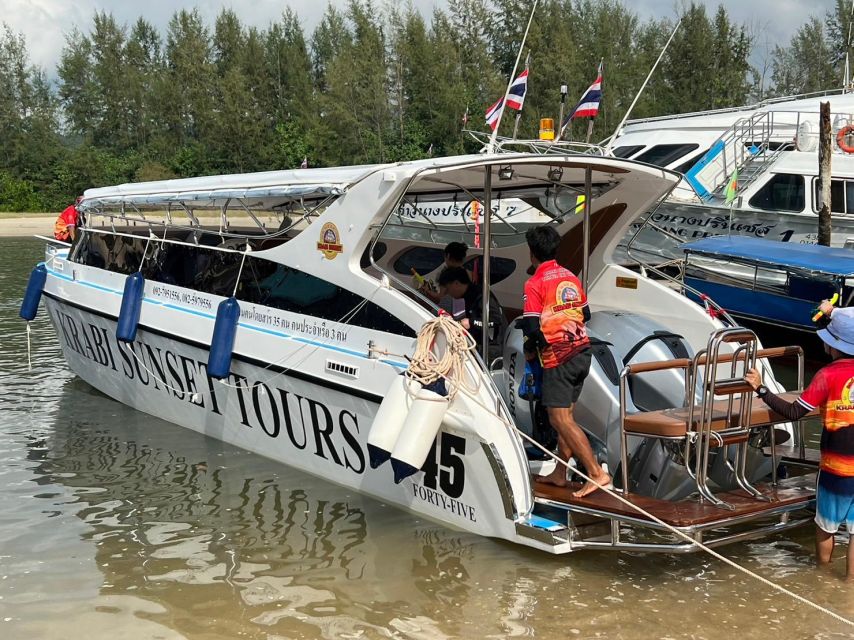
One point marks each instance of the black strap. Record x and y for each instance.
(677, 348)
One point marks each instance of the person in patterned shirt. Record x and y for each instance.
(65, 227)
(553, 316)
(832, 393)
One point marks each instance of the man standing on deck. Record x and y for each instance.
(832, 392)
(554, 313)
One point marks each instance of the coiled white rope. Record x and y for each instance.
(426, 366)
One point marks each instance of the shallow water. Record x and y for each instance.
(114, 524)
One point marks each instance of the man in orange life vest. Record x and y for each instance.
(832, 392)
(553, 317)
(65, 227)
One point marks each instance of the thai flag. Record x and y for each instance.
(516, 92)
(493, 113)
(588, 106)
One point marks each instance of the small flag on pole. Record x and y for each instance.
(588, 106)
(517, 90)
(731, 187)
(304, 163)
(494, 113)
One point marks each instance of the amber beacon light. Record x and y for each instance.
(547, 129)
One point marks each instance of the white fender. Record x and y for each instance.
(389, 419)
(417, 435)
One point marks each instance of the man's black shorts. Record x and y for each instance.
(562, 384)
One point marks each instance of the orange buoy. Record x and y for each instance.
(841, 136)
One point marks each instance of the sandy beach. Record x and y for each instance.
(27, 225)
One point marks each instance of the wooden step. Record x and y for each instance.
(788, 453)
(688, 512)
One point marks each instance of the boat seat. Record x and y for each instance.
(673, 423)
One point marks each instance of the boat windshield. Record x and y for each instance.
(457, 214)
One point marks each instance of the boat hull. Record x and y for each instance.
(688, 222)
(317, 426)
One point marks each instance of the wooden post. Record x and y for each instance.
(824, 152)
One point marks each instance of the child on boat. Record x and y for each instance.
(831, 392)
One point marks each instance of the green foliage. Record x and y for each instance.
(806, 65)
(18, 195)
(292, 147)
(373, 82)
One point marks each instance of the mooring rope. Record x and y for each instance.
(667, 526)
(29, 348)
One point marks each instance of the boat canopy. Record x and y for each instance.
(211, 191)
(833, 261)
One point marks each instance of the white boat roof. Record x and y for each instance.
(306, 183)
(272, 186)
(721, 119)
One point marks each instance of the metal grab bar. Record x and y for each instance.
(699, 433)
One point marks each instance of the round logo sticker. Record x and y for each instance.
(330, 241)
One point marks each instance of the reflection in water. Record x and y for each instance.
(121, 525)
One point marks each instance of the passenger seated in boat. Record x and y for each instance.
(455, 281)
(455, 256)
(554, 313)
(830, 391)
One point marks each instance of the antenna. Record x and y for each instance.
(563, 91)
(846, 76)
(643, 86)
(490, 147)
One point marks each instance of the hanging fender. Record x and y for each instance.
(33, 293)
(131, 307)
(417, 434)
(222, 342)
(388, 422)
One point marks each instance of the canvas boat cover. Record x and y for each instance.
(298, 183)
(834, 261)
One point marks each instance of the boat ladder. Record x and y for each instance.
(720, 412)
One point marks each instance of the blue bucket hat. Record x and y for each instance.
(839, 334)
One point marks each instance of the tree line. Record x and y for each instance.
(129, 103)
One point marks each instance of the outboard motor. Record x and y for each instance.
(616, 339)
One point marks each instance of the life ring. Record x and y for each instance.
(840, 138)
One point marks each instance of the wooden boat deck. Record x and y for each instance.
(688, 512)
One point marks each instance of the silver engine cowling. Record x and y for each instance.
(618, 339)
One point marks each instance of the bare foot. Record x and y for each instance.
(556, 477)
(602, 481)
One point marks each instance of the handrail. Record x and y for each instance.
(702, 359)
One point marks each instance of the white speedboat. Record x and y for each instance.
(772, 148)
(289, 341)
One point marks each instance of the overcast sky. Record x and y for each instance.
(44, 22)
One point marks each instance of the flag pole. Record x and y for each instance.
(490, 148)
(600, 73)
(519, 111)
(643, 86)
